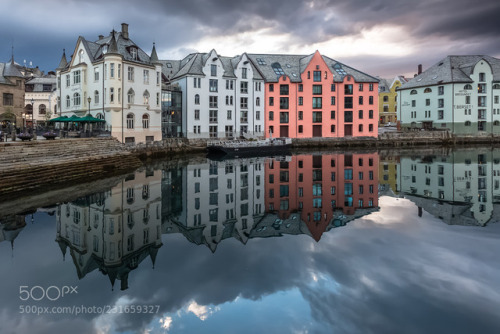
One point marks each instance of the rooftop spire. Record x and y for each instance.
(113, 47)
(154, 55)
(63, 63)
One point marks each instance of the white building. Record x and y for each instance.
(42, 92)
(115, 80)
(459, 94)
(223, 97)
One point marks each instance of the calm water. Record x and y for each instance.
(326, 243)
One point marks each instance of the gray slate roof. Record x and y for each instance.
(294, 65)
(452, 69)
(193, 64)
(95, 49)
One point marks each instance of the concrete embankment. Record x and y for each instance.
(31, 167)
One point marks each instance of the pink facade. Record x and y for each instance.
(323, 103)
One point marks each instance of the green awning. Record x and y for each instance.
(60, 119)
(89, 118)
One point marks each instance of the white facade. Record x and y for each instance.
(468, 105)
(125, 93)
(221, 101)
(44, 96)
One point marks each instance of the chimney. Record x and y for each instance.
(125, 30)
(101, 37)
(419, 69)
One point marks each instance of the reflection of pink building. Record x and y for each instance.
(322, 187)
(316, 96)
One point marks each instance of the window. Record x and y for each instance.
(301, 101)
(8, 99)
(317, 103)
(96, 73)
(67, 80)
(213, 70)
(427, 102)
(244, 87)
(360, 114)
(213, 85)
(229, 114)
(146, 77)
(76, 99)
(348, 116)
(301, 129)
(427, 90)
(244, 73)
(197, 99)
(271, 115)
(370, 87)
(370, 114)
(332, 114)
(145, 96)
(130, 73)
(386, 98)
(130, 96)
(370, 99)
(111, 95)
(441, 103)
(482, 77)
(130, 121)
(317, 89)
(197, 114)
(145, 121)
(317, 76)
(440, 90)
(271, 87)
(112, 70)
(68, 101)
(271, 101)
(360, 100)
(119, 71)
(244, 102)
(348, 89)
(42, 109)
(96, 97)
(76, 77)
(213, 116)
(301, 88)
(212, 101)
(257, 101)
(317, 117)
(348, 102)
(283, 117)
(332, 87)
(283, 102)
(301, 115)
(213, 131)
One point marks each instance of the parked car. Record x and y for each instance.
(389, 124)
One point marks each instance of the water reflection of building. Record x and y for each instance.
(221, 199)
(116, 230)
(388, 175)
(323, 191)
(462, 188)
(10, 227)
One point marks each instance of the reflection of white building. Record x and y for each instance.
(116, 230)
(221, 200)
(122, 82)
(461, 188)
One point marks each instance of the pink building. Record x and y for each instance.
(316, 96)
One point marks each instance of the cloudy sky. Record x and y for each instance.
(380, 37)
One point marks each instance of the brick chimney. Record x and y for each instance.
(419, 69)
(125, 30)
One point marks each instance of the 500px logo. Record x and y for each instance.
(51, 293)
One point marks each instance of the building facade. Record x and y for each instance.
(114, 80)
(459, 94)
(315, 96)
(222, 97)
(388, 98)
(12, 93)
(42, 92)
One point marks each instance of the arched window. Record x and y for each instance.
(28, 109)
(427, 90)
(76, 99)
(42, 109)
(386, 98)
(96, 97)
(257, 102)
(68, 101)
(145, 121)
(496, 86)
(468, 87)
(130, 121)
(467, 123)
(146, 97)
(413, 92)
(130, 96)
(197, 99)
(100, 116)
(496, 123)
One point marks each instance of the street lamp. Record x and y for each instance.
(88, 100)
(33, 114)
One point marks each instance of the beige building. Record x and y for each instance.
(12, 94)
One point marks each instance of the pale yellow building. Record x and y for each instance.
(388, 98)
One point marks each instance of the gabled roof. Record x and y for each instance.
(453, 69)
(11, 70)
(115, 44)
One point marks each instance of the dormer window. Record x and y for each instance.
(133, 53)
(105, 49)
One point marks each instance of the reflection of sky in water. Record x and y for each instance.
(389, 272)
